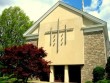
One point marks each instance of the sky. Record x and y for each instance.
(36, 8)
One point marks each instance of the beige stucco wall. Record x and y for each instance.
(73, 51)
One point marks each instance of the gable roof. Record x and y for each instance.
(93, 18)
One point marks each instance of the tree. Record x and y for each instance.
(25, 61)
(98, 73)
(107, 68)
(13, 23)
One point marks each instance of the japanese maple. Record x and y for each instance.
(25, 61)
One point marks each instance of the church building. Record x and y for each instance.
(75, 41)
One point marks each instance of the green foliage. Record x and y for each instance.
(104, 81)
(7, 80)
(98, 73)
(13, 23)
(107, 68)
(88, 82)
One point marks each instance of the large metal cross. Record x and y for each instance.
(65, 30)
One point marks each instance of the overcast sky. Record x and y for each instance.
(36, 8)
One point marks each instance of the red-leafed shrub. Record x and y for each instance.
(25, 61)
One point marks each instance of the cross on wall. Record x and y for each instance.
(57, 32)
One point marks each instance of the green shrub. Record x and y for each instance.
(88, 82)
(98, 73)
(3, 78)
(103, 81)
(7, 79)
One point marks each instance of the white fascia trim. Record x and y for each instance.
(93, 28)
(31, 35)
(31, 38)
